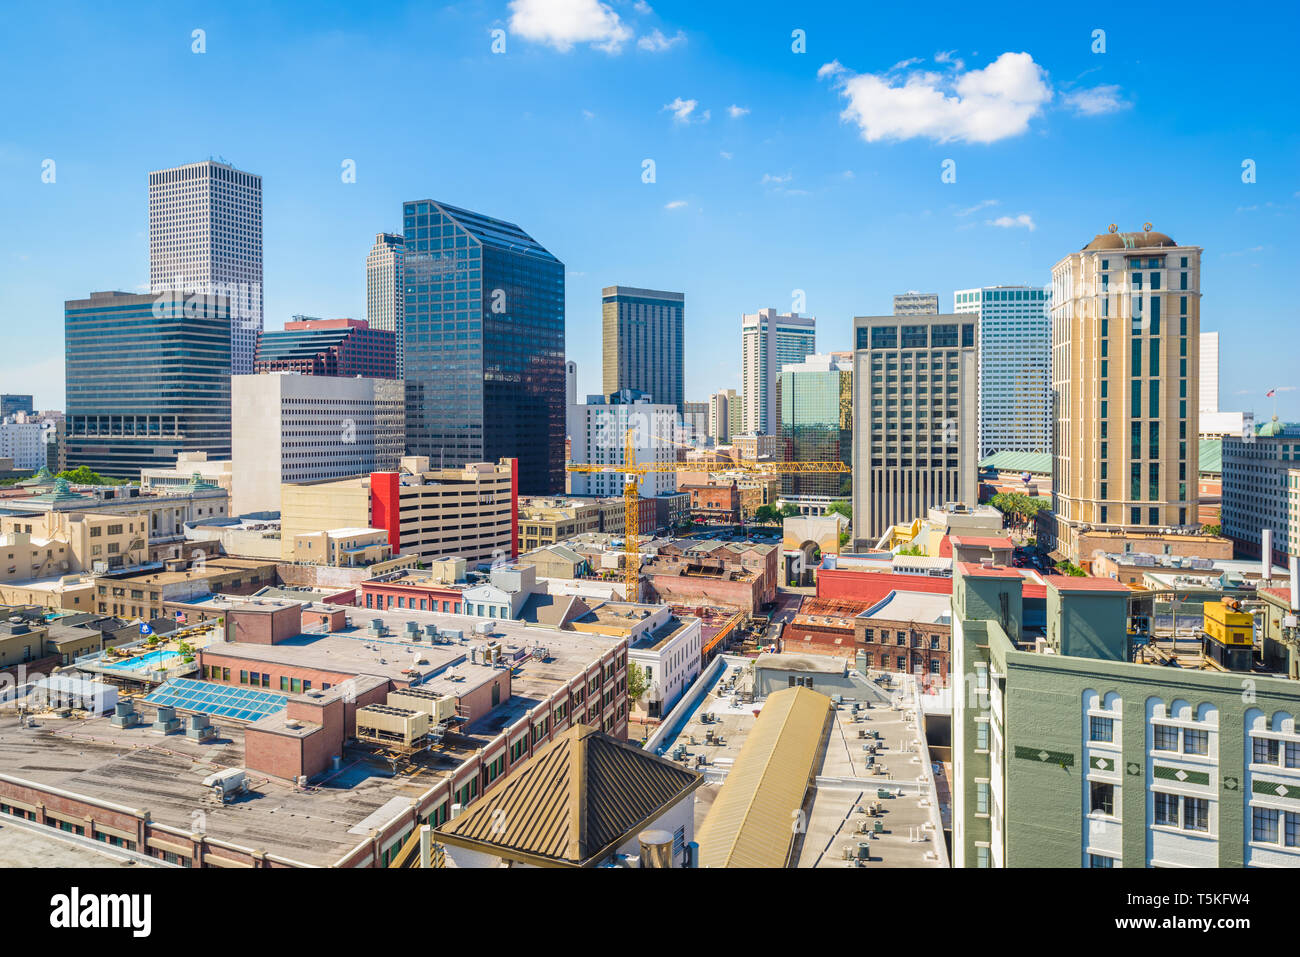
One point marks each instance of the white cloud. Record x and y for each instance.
(982, 204)
(682, 111)
(737, 112)
(775, 179)
(676, 204)
(656, 42)
(1013, 222)
(977, 106)
(724, 154)
(642, 7)
(1097, 101)
(946, 56)
(563, 23)
(587, 114)
(900, 65)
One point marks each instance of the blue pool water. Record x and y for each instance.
(150, 662)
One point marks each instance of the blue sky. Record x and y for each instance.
(825, 177)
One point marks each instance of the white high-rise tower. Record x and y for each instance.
(1015, 366)
(768, 341)
(205, 236)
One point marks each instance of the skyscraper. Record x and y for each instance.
(721, 415)
(385, 295)
(205, 236)
(148, 377)
(816, 425)
(644, 343)
(13, 403)
(1209, 368)
(483, 344)
(769, 340)
(914, 415)
(1014, 368)
(1125, 364)
(914, 303)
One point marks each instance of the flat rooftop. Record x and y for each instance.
(164, 775)
(845, 780)
(922, 607)
(357, 653)
(33, 845)
(819, 664)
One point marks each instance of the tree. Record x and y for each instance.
(840, 508)
(789, 510)
(766, 515)
(83, 475)
(910, 550)
(1017, 507)
(1069, 568)
(1215, 530)
(636, 681)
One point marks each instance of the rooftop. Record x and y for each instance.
(1077, 583)
(572, 803)
(913, 606)
(817, 664)
(138, 769)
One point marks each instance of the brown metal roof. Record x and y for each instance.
(751, 823)
(573, 803)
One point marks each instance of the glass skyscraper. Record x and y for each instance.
(1015, 366)
(147, 377)
(483, 344)
(815, 399)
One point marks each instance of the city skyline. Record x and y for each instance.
(1004, 220)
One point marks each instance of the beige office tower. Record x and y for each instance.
(1125, 367)
(385, 293)
(644, 347)
(915, 431)
(725, 407)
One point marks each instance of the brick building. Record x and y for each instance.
(714, 503)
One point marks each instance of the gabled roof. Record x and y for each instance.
(1010, 461)
(573, 803)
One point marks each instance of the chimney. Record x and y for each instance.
(1266, 553)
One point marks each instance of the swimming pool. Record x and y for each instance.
(153, 661)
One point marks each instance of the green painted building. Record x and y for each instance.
(1067, 754)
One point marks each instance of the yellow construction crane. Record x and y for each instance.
(632, 497)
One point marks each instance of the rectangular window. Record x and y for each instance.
(1101, 729)
(1166, 737)
(981, 735)
(981, 797)
(1166, 809)
(1100, 860)
(1196, 814)
(1196, 742)
(1292, 754)
(1265, 751)
(1264, 821)
(1102, 798)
